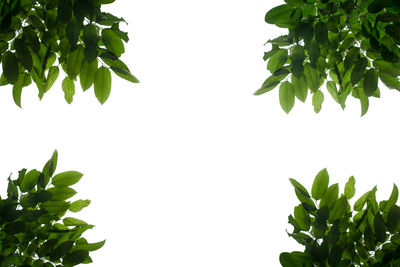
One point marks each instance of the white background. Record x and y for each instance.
(188, 168)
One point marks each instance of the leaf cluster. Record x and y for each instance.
(347, 45)
(33, 229)
(335, 234)
(38, 38)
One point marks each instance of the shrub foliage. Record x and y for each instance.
(33, 228)
(336, 234)
(346, 44)
(40, 37)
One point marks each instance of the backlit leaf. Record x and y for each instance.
(102, 84)
(286, 96)
(67, 178)
(349, 188)
(68, 86)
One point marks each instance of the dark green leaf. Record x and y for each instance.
(380, 228)
(102, 84)
(283, 16)
(17, 89)
(358, 70)
(389, 81)
(335, 256)
(286, 96)
(61, 250)
(330, 196)
(67, 178)
(338, 209)
(370, 83)
(76, 257)
(23, 54)
(298, 57)
(54, 207)
(64, 10)
(320, 184)
(321, 32)
(393, 219)
(10, 67)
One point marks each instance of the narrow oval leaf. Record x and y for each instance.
(68, 87)
(300, 87)
(124, 74)
(317, 100)
(113, 42)
(88, 71)
(330, 197)
(102, 84)
(51, 77)
(78, 205)
(298, 57)
(331, 87)
(65, 179)
(29, 181)
(320, 184)
(349, 188)
(10, 67)
(312, 77)
(338, 209)
(358, 70)
(54, 207)
(380, 228)
(277, 60)
(91, 246)
(286, 96)
(283, 16)
(23, 54)
(61, 193)
(69, 221)
(359, 204)
(17, 89)
(302, 218)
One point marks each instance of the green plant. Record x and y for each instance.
(33, 229)
(34, 34)
(335, 235)
(354, 42)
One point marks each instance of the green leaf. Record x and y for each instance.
(12, 190)
(61, 193)
(317, 100)
(294, 259)
(358, 70)
(380, 228)
(30, 181)
(298, 57)
(286, 96)
(363, 100)
(312, 77)
(320, 184)
(69, 221)
(283, 16)
(270, 53)
(51, 77)
(78, 205)
(61, 250)
(277, 60)
(64, 10)
(331, 86)
(102, 84)
(300, 190)
(359, 204)
(335, 255)
(392, 200)
(302, 218)
(76, 257)
(267, 86)
(67, 178)
(113, 42)
(124, 74)
(23, 54)
(54, 207)
(338, 209)
(349, 188)
(321, 32)
(74, 62)
(300, 87)
(330, 196)
(88, 71)
(17, 89)
(393, 219)
(386, 67)
(10, 67)
(68, 87)
(91, 246)
(295, 3)
(389, 81)
(370, 83)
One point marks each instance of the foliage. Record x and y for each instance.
(334, 234)
(87, 43)
(347, 44)
(33, 229)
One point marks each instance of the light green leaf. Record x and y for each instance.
(300, 87)
(302, 218)
(349, 188)
(51, 77)
(17, 89)
(67, 178)
(124, 74)
(91, 246)
(78, 205)
(330, 196)
(286, 96)
(320, 184)
(283, 16)
(317, 100)
(68, 87)
(113, 42)
(277, 60)
(389, 81)
(29, 181)
(87, 74)
(102, 84)
(55, 206)
(70, 221)
(331, 86)
(61, 193)
(312, 77)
